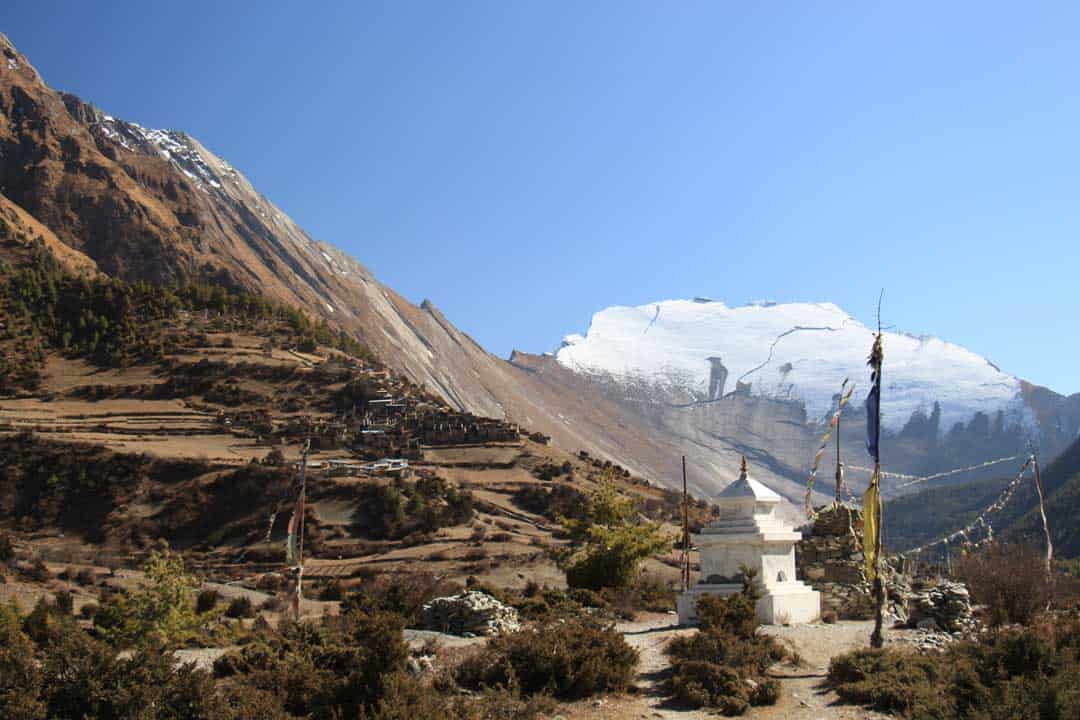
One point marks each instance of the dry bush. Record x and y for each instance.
(888, 681)
(1006, 675)
(570, 659)
(240, 607)
(712, 667)
(7, 549)
(646, 593)
(400, 593)
(332, 590)
(1010, 580)
(206, 601)
(269, 582)
(37, 571)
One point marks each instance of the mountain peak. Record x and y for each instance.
(14, 61)
(690, 351)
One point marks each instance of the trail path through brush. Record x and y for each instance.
(802, 696)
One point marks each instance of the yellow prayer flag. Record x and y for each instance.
(872, 525)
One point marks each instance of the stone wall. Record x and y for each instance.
(829, 558)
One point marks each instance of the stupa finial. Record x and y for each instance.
(743, 470)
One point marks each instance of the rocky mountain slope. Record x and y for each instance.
(112, 196)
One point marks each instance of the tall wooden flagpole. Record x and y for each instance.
(872, 505)
(839, 465)
(1042, 512)
(301, 511)
(686, 531)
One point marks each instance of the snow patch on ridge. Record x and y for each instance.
(795, 351)
(170, 145)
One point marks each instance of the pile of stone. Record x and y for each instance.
(469, 614)
(923, 640)
(945, 607)
(831, 561)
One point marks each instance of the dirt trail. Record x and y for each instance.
(801, 694)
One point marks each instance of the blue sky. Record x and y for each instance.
(526, 164)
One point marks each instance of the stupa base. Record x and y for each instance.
(780, 604)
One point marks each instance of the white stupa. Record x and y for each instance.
(748, 533)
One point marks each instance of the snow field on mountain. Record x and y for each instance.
(797, 351)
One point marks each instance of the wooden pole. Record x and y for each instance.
(839, 466)
(877, 638)
(300, 529)
(686, 531)
(1042, 512)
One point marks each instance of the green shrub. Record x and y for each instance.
(159, 612)
(588, 598)
(609, 540)
(20, 674)
(569, 659)
(643, 594)
(244, 702)
(553, 502)
(393, 512)
(749, 656)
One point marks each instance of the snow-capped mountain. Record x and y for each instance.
(761, 380)
(698, 350)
